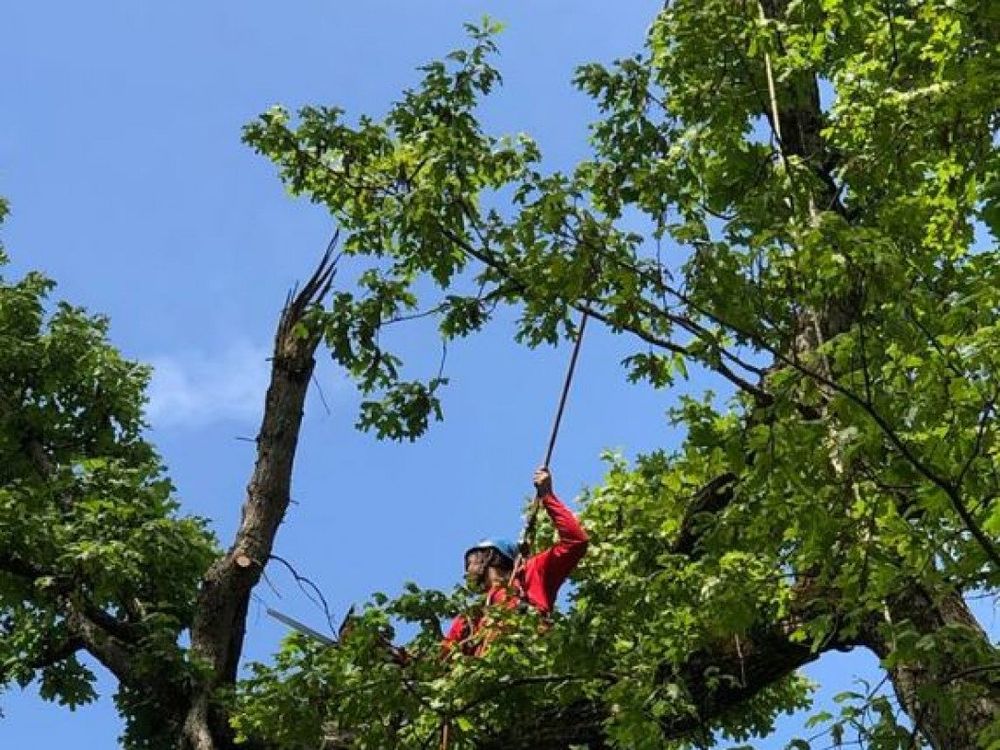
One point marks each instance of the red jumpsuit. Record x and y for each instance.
(538, 582)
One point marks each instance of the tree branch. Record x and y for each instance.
(715, 680)
(10, 563)
(709, 500)
(106, 648)
(949, 488)
(52, 653)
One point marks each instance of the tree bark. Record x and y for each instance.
(220, 618)
(952, 694)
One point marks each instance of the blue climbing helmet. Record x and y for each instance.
(505, 547)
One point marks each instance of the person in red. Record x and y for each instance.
(489, 567)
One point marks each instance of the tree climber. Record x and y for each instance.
(489, 567)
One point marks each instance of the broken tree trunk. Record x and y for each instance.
(223, 600)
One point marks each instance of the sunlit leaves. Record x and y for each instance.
(86, 512)
(830, 272)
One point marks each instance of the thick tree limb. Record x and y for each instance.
(103, 635)
(739, 671)
(710, 499)
(766, 656)
(736, 673)
(14, 565)
(220, 619)
(114, 654)
(955, 676)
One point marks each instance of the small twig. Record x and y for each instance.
(316, 598)
(270, 585)
(739, 653)
(978, 445)
(444, 358)
(322, 396)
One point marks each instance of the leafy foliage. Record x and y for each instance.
(88, 523)
(792, 195)
(809, 177)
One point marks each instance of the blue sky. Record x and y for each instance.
(120, 153)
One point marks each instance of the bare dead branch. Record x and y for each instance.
(310, 589)
(219, 625)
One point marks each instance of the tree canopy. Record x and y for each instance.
(802, 197)
(789, 195)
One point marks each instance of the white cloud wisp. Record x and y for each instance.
(196, 389)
